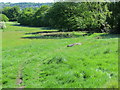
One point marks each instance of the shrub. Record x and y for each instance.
(4, 18)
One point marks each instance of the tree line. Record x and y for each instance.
(70, 16)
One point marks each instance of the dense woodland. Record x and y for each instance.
(69, 16)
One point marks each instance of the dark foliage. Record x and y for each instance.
(11, 12)
(70, 16)
(114, 19)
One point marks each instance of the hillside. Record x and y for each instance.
(32, 58)
(24, 4)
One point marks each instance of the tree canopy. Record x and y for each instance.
(70, 16)
(11, 12)
(73, 16)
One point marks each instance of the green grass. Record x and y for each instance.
(47, 62)
(0, 60)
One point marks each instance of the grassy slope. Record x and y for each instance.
(48, 63)
(0, 59)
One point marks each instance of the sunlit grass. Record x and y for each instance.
(49, 63)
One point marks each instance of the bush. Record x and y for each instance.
(4, 18)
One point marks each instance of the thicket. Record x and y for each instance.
(70, 16)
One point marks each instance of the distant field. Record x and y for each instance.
(34, 57)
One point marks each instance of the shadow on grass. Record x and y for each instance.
(62, 36)
(108, 36)
(42, 32)
(52, 36)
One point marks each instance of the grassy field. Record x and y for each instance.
(39, 58)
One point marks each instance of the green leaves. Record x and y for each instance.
(70, 16)
(114, 17)
(26, 17)
(11, 12)
(33, 17)
(4, 18)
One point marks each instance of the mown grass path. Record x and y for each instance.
(47, 62)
